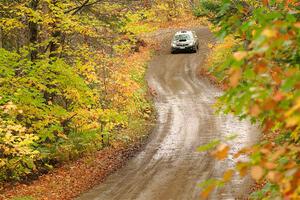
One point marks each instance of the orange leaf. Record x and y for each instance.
(235, 77)
(286, 187)
(257, 172)
(277, 154)
(228, 175)
(297, 85)
(254, 110)
(290, 165)
(278, 96)
(206, 192)
(265, 151)
(269, 104)
(238, 154)
(276, 77)
(221, 152)
(241, 152)
(273, 176)
(270, 165)
(297, 24)
(261, 67)
(242, 168)
(290, 72)
(277, 69)
(62, 135)
(268, 125)
(265, 2)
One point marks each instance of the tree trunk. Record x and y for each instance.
(56, 38)
(33, 32)
(54, 45)
(1, 38)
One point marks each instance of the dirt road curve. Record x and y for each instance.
(169, 168)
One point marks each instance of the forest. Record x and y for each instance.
(68, 87)
(65, 86)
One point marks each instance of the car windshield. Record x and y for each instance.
(182, 37)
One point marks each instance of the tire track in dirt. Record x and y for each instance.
(169, 168)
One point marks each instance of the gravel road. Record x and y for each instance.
(169, 168)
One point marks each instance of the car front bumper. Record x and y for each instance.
(183, 48)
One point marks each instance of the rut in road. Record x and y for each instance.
(169, 168)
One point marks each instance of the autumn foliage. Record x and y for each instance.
(71, 81)
(260, 70)
(65, 85)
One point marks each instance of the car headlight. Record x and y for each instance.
(192, 43)
(173, 44)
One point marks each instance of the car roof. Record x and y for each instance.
(184, 32)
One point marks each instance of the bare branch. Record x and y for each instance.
(79, 8)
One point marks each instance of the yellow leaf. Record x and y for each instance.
(295, 135)
(292, 121)
(294, 108)
(210, 45)
(269, 33)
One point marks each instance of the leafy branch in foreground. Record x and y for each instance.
(262, 78)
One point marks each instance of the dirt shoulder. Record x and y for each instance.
(73, 178)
